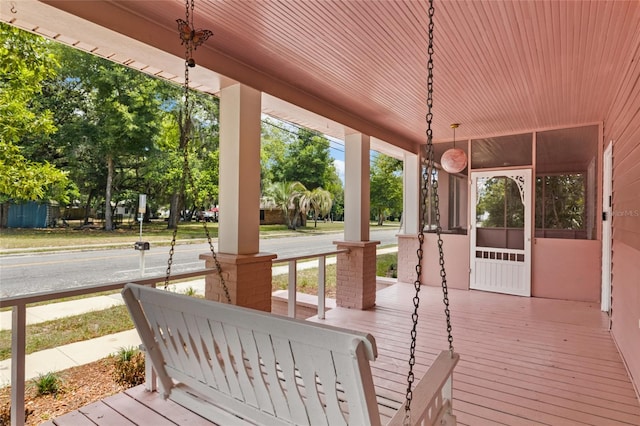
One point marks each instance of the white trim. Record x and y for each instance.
(607, 184)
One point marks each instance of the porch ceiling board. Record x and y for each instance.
(500, 66)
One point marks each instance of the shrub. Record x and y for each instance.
(190, 291)
(47, 384)
(129, 367)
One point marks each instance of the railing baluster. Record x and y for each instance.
(18, 343)
(322, 275)
(322, 272)
(293, 283)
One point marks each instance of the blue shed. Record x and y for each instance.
(32, 214)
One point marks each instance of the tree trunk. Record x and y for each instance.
(87, 207)
(108, 219)
(174, 212)
(4, 214)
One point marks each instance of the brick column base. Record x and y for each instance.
(407, 257)
(248, 279)
(356, 274)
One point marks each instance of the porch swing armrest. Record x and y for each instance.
(431, 403)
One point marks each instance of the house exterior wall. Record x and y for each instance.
(456, 259)
(272, 217)
(566, 269)
(622, 125)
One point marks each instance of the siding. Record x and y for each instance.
(622, 125)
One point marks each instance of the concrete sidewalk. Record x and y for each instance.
(80, 353)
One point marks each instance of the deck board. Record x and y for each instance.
(102, 414)
(138, 413)
(524, 361)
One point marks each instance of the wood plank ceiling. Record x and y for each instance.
(500, 66)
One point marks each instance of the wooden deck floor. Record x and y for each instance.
(524, 361)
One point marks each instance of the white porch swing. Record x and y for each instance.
(234, 365)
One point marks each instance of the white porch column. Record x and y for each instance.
(356, 270)
(356, 187)
(408, 237)
(246, 272)
(239, 230)
(411, 195)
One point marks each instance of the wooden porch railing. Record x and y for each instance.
(293, 279)
(19, 304)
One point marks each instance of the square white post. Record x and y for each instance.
(239, 231)
(411, 194)
(356, 191)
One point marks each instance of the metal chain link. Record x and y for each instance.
(428, 180)
(186, 170)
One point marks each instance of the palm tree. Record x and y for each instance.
(317, 201)
(286, 196)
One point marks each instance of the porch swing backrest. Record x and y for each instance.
(234, 365)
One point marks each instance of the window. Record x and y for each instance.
(452, 202)
(457, 203)
(566, 183)
(430, 205)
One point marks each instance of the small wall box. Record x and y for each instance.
(142, 245)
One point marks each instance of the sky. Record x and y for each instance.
(336, 150)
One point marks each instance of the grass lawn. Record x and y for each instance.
(155, 232)
(52, 334)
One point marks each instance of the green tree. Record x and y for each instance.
(108, 126)
(385, 187)
(499, 204)
(201, 149)
(307, 160)
(317, 201)
(26, 63)
(286, 196)
(290, 154)
(560, 202)
(273, 147)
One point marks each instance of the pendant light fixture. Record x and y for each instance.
(454, 160)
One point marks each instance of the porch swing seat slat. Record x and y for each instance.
(233, 365)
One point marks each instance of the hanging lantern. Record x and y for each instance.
(454, 160)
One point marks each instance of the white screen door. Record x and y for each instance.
(501, 231)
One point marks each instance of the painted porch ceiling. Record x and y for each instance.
(500, 67)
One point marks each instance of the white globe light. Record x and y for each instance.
(454, 160)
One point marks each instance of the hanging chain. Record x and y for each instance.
(185, 135)
(428, 178)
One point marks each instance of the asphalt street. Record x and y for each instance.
(37, 272)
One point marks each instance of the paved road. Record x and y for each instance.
(37, 272)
